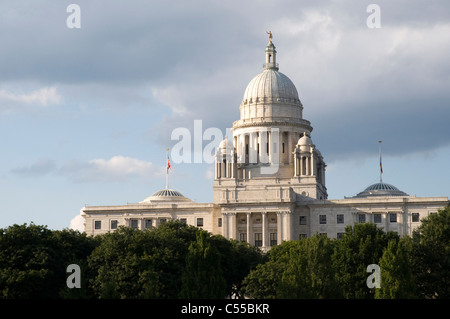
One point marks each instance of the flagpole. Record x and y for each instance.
(381, 165)
(167, 170)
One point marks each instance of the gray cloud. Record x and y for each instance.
(116, 169)
(195, 58)
(41, 167)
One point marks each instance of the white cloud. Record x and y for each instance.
(44, 97)
(209, 174)
(116, 169)
(172, 97)
(77, 223)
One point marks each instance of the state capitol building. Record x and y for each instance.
(269, 181)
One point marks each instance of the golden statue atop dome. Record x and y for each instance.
(270, 36)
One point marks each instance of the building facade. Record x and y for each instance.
(269, 181)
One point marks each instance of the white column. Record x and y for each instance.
(252, 148)
(289, 146)
(313, 173)
(301, 165)
(287, 225)
(225, 225)
(242, 155)
(264, 230)
(232, 165)
(307, 159)
(232, 226)
(295, 165)
(263, 139)
(249, 227)
(279, 228)
(386, 222)
(401, 224)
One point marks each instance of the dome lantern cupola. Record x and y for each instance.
(271, 55)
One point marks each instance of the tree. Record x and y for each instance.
(237, 260)
(263, 281)
(295, 269)
(396, 273)
(34, 259)
(131, 263)
(431, 255)
(309, 272)
(203, 277)
(361, 245)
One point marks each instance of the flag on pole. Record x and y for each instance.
(381, 165)
(168, 161)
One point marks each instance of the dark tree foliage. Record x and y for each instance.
(180, 261)
(361, 245)
(34, 259)
(431, 256)
(172, 261)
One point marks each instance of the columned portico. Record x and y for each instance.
(259, 228)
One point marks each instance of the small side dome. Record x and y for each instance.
(166, 195)
(381, 189)
(226, 143)
(305, 142)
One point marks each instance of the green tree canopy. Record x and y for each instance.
(362, 245)
(34, 259)
(431, 255)
(396, 273)
(203, 276)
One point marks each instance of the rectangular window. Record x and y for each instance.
(243, 237)
(340, 235)
(273, 239)
(162, 221)
(98, 224)
(258, 239)
(393, 217)
(199, 222)
(114, 224)
(322, 219)
(219, 222)
(148, 223)
(377, 218)
(301, 236)
(361, 218)
(302, 220)
(183, 220)
(340, 218)
(134, 223)
(415, 217)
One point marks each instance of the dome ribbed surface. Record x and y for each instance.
(381, 189)
(271, 85)
(167, 192)
(166, 195)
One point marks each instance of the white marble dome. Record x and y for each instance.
(271, 86)
(271, 96)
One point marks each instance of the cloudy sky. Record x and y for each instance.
(87, 113)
